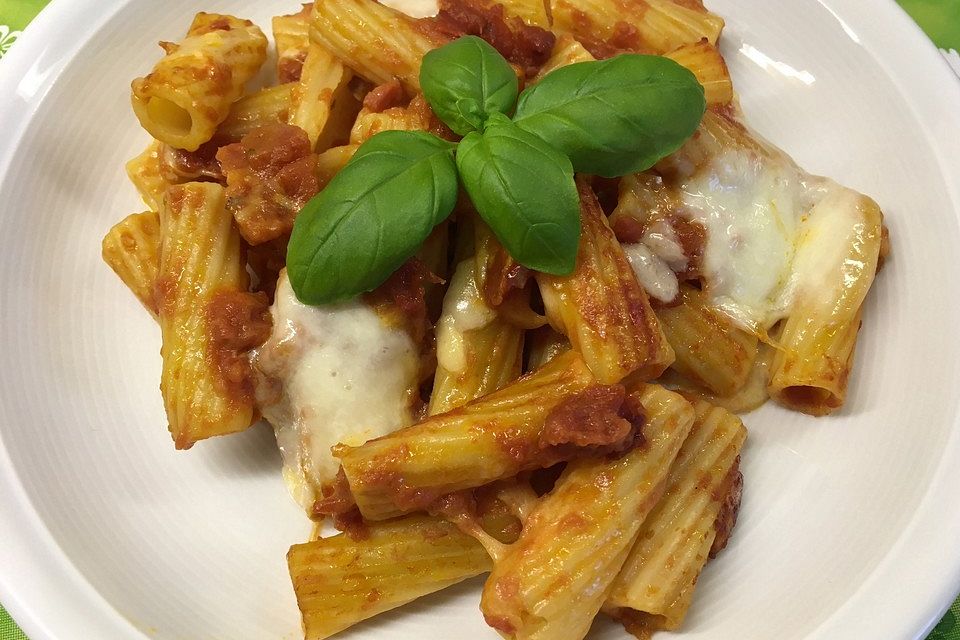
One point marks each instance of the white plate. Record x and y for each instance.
(850, 524)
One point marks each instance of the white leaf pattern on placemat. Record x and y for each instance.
(7, 38)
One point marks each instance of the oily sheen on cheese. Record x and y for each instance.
(327, 375)
(763, 247)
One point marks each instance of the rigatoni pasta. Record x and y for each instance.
(657, 26)
(750, 396)
(331, 161)
(377, 42)
(322, 100)
(705, 61)
(478, 352)
(144, 173)
(291, 36)
(601, 307)
(206, 317)
(189, 92)
(414, 116)
(654, 588)
(838, 253)
(132, 249)
(269, 105)
(492, 438)
(570, 431)
(340, 581)
(556, 577)
(535, 13)
(710, 350)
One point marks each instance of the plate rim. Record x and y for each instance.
(50, 599)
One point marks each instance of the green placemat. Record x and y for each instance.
(8, 630)
(14, 16)
(939, 18)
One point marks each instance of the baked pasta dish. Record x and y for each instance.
(501, 276)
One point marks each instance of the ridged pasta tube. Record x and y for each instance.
(340, 581)
(554, 579)
(478, 352)
(207, 320)
(644, 26)
(132, 249)
(602, 308)
(492, 438)
(656, 583)
(189, 92)
(711, 351)
(837, 252)
(144, 173)
(377, 42)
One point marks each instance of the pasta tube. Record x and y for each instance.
(837, 252)
(207, 319)
(144, 173)
(416, 116)
(701, 58)
(535, 13)
(323, 100)
(498, 273)
(189, 92)
(553, 581)
(339, 581)
(750, 396)
(132, 249)
(655, 586)
(705, 61)
(602, 308)
(377, 42)
(497, 436)
(567, 50)
(607, 27)
(291, 33)
(711, 351)
(266, 106)
(478, 352)
(331, 161)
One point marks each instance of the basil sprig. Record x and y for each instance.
(609, 117)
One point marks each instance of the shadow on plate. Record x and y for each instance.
(250, 453)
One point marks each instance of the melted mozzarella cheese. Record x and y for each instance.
(653, 272)
(823, 252)
(328, 375)
(774, 234)
(661, 239)
(656, 259)
(464, 309)
(750, 206)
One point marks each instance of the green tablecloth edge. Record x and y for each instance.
(939, 18)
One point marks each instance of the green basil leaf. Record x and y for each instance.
(617, 116)
(372, 216)
(524, 189)
(465, 81)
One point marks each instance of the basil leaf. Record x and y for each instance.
(617, 116)
(372, 216)
(465, 81)
(524, 189)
